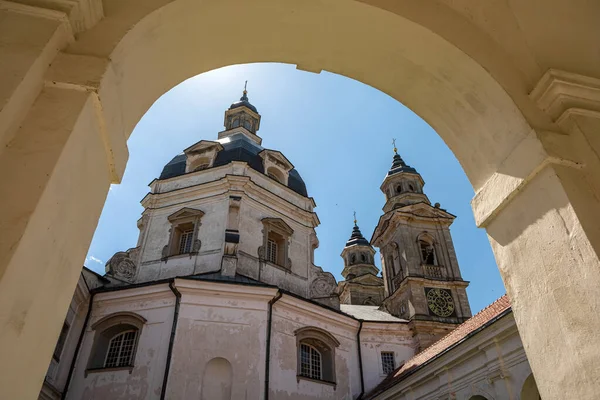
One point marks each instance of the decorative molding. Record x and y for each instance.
(123, 264)
(558, 91)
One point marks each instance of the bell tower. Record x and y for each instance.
(361, 285)
(421, 275)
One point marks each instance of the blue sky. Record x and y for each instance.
(336, 131)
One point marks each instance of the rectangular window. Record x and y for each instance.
(185, 242)
(387, 362)
(272, 251)
(62, 338)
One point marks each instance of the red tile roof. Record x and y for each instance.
(461, 332)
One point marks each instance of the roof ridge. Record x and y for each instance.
(453, 338)
(503, 297)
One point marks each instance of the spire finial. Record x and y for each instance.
(355, 218)
(394, 143)
(244, 93)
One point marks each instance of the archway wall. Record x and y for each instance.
(463, 103)
(537, 187)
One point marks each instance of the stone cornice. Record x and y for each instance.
(319, 312)
(559, 91)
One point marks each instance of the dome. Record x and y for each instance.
(243, 103)
(236, 147)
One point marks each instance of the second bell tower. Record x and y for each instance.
(421, 275)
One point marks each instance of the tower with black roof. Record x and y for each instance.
(422, 278)
(361, 285)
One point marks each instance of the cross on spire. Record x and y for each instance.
(394, 143)
(355, 218)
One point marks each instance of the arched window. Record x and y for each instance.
(530, 390)
(427, 250)
(248, 125)
(115, 341)
(120, 349)
(236, 123)
(275, 174)
(399, 189)
(310, 362)
(198, 163)
(316, 354)
(369, 302)
(352, 258)
(363, 258)
(411, 187)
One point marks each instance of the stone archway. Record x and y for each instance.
(468, 70)
(530, 390)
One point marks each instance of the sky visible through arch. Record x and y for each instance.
(338, 134)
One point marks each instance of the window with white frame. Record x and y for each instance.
(276, 241)
(185, 241)
(310, 362)
(116, 339)
(316, 354)
(272, 251)
(388, 363)
(120, 349)
(184, 231)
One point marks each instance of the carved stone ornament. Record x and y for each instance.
(122, 266)
(196, 246)
(261, 253)
(324, 285)
(165, 251)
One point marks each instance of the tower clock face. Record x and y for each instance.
(440, 301)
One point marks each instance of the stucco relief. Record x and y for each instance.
(323, 286)
(123, 264)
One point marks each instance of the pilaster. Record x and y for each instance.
(541, 211)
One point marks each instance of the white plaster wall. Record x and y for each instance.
(211, 233)
(378, 337)
(227, 322)
(289, 315)
(156, 305)
(491, 364)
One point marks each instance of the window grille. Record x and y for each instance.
(185, 242)
(120, 350)
(310, 362)
(272, 251)
(387, 362)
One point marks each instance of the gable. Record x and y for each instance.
(277, 158)
(185, 213)
(203, 146)
(368, 279)
(279, 224)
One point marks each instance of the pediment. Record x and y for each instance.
(425, 210)
(185, 213)
(203, 146)
(277, 158)
(368, 279)
(278, 224)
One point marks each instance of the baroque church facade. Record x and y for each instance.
(221, 299)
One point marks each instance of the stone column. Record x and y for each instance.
(541, 211)
(58, 158)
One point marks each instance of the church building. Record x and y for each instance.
(221, 299)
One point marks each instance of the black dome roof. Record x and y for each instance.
(243, 102)
(240, 148)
